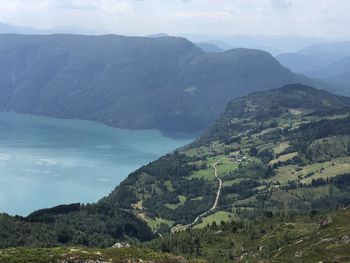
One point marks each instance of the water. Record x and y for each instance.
(46, 161)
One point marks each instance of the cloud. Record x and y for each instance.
(206, 15)
(282, 4)
(326, 18)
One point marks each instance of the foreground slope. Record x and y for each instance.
(307, 238)
(166, 83)
(281, 150)
(84, 255)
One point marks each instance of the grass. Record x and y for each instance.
(328, 172)
(233, 182)
(284, 157)
(182, 200)
(155, 223)
(218, 217)
(314, 193)
(197, 198)
(285, 174)
(281, 147)
(169, 186)
(313, 171)
(224, 168)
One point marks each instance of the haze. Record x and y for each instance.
(315, 18)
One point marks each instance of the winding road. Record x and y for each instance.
(180, 228)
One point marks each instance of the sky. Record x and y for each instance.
(317, 18)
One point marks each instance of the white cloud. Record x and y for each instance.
(327, 18)
(282, 4)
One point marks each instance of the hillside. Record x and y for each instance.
(307, 238)
(88, 225)
(166, 83)
(281, 156)
(281, 150)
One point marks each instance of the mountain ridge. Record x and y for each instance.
(105, 79)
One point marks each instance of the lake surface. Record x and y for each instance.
(46, 161)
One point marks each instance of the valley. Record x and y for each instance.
(179, 131)
(274, 158)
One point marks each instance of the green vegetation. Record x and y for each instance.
(81, 254)
(182, 200)
(91, 225)
(284, 164)
(279, 149)
(218, 217)
(307, 238)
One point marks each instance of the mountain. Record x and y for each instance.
(336, 50)
(158, 35)
(328, 62)
(207, 47)
(315, 57)
(164, 83)
(259, 184)
(274, 44)
(280, 150)
(9, 28)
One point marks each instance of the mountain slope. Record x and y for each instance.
(88, 225)
(165, 83)
(208, 47)
(308, 238)
(281, 150)
(328, 62)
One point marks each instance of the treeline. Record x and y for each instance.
(88, 225)
(231, 241)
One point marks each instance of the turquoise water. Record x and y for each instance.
(46, 161)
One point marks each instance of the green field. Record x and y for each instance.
(182, 200)
(218, 217)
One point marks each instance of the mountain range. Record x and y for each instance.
(328, 62)
(267, 181)
(164, 83)
(277, 153)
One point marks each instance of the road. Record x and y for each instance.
(180, 228)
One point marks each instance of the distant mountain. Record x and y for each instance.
(165, 83)
(274, 44)
(315, 57)
(328, 62)
(336, 50)
(158, 35)
(207, 47)
(8, 28)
